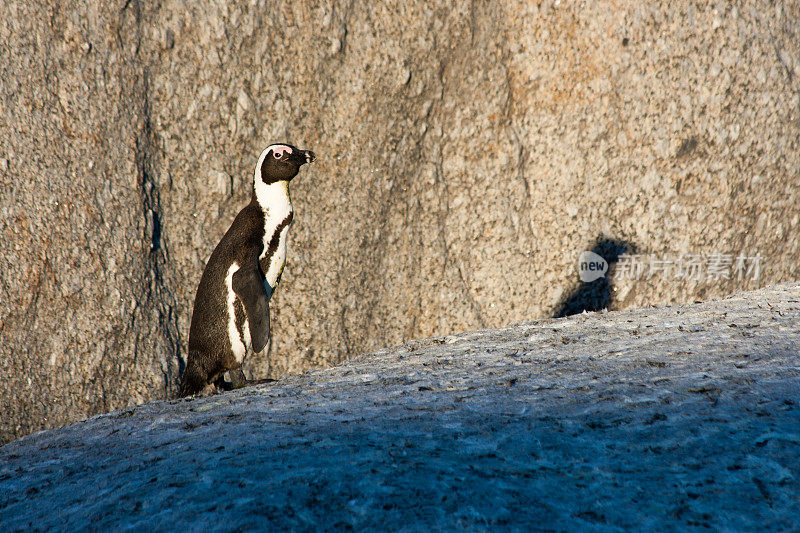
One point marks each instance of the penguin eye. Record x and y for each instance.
(277, 154)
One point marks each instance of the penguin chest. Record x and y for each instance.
(273, 255)
(278, 260)
(238, 328)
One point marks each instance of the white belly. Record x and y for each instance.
(238, 347)
(278, 260)
(277, 206)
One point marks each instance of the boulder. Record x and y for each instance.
(468, 155)
(668, 418)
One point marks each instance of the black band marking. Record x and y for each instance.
(272, 247)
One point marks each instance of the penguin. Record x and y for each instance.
(231, 306)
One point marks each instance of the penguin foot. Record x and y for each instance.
(236, 380)
(209, 390)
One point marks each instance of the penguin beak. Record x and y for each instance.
(301, 157)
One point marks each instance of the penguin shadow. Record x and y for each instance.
(598, 294)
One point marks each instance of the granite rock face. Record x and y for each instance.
(467, 155)
(88, 321)
(670, 418)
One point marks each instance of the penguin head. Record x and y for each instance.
(281, 162)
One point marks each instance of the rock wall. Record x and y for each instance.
(88, 320)
(467, 155)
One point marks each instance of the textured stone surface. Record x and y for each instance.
(468, 153)
(651, 419)
(87, 323)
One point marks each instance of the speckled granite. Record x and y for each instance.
(653, 419)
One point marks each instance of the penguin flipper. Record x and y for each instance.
(248, 284)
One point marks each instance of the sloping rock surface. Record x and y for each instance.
(647, 419)
(468, 153)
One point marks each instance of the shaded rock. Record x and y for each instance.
(660, 418)
(468, 154)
